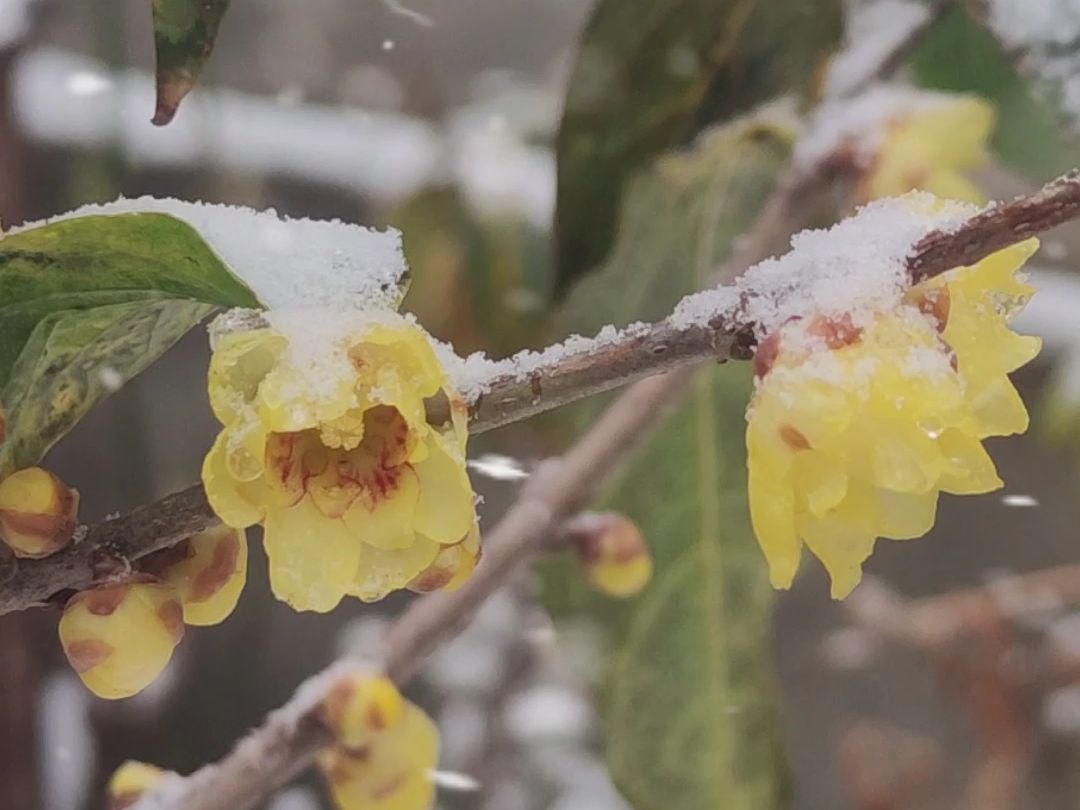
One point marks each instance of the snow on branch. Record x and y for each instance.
(716, 325)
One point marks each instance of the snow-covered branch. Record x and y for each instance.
(506, 391)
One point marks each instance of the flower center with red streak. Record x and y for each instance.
(299, 463)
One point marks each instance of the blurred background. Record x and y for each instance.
(950, 679)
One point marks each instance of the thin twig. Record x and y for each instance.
(278, 749)
(997, 227)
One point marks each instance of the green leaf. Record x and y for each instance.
(959, 55)
(649, 74)
(88, 303)
(184, 34)
(689, 713)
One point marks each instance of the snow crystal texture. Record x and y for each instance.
(287, 263)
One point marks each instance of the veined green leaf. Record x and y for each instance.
(88, 303)
(688, 701)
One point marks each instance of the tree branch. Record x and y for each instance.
(111, 547)
(997, 227)
(291, 736)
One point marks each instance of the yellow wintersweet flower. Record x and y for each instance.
(853, 430)
(931, 149)
(385, 748)
(328, 446)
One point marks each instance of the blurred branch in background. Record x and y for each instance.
(998, 648)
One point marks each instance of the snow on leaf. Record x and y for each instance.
(287, 263)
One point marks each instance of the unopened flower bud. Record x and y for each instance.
(452, 566)
(386, 748)
(119, 638)
(358, 709)
(208, 571)
(37, 512)
(612, 551)
(129, 782)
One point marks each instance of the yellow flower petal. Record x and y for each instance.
(445, 511)
(329, 447)
(237, 503)
(380, 572)
(240, 362)
(904, 516)
(772, 513)
(313, 558)
(387, 522)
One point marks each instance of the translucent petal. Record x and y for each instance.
(313, 559)
(823, 481)
(411, 351)
(240, 362)
(999, 410)
(905, 459)
(842, 548)
(237, 503)
(772, 513)
(973, 471)
(903, 516)
(445, 510)
(379, 572)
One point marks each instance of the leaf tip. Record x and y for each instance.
(172, 88)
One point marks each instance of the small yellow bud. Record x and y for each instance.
(37, 512)
(119, 638)
(613, 553)
(208, 571)
(129, 782)
(390, 768)
(453, 565)
(359, 709)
